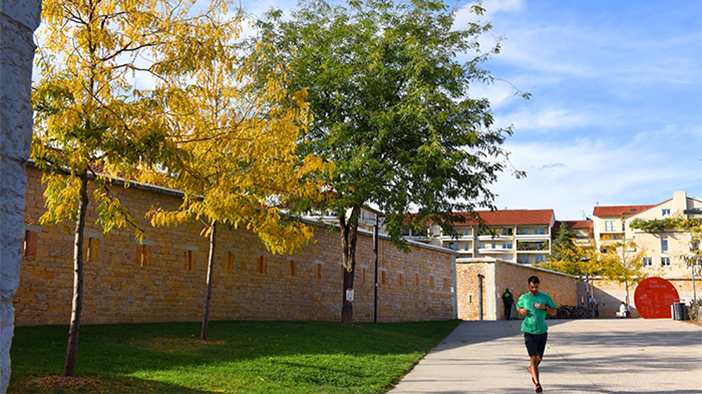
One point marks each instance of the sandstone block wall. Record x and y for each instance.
(163, 278)
(500, 275)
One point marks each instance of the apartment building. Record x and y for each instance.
(665, 250)
(367, 218)
(517, 235)
(608, 222)
(582, 229)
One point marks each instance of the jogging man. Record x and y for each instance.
(535, 305)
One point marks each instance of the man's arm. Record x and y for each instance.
(550, 310)
(522, 311)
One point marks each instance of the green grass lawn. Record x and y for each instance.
(239, 356)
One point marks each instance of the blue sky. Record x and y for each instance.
(615, 116)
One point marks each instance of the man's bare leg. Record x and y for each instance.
(534, 365)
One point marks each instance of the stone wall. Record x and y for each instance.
(163, 279)
(500, 275)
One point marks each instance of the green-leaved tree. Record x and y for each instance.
(390, 105)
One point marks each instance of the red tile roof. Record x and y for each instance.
(622, 210)
(578, 223)
(512, 217)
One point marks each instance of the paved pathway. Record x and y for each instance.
(624, 356)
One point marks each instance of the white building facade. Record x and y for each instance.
(519, 236)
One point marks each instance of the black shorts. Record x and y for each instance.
(535, 344)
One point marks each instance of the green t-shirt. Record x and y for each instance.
(535, 319)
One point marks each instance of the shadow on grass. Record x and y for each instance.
(168, 357)
(49, 384)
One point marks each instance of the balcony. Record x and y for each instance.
(496, 237)
(532, 247)
(495, 251)
(532, 237)
(465, 253)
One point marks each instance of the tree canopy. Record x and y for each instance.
(391, 109)
(237, 132)
(91, 123)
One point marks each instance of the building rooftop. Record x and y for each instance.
(578, 224)
(620, 210)
(512, 217)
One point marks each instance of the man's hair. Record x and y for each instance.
(534, 279)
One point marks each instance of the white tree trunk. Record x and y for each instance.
(18, 20)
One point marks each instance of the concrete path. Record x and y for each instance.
(624, 356)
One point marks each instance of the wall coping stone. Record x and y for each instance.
(177, 193)
(492, 260)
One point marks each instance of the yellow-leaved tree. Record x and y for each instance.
(622, 261)
(239, 165)
(91, 122)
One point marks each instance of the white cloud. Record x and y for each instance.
(573, 178)
(545, 119)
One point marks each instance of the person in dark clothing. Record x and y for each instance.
(508, 300)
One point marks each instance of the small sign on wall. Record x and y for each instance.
(349, 295)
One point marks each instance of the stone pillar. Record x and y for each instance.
(18, 20)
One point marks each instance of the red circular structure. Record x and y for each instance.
(653, 298)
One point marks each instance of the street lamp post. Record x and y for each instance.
(375, 250)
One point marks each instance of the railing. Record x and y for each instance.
(532, 246)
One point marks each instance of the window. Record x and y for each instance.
(525, 259)
(230, 263)
(466, 232)
(647, 262)
(453, 246)
(664, 245)
(609, 225)
(507, 245)
(188, 259)
(539, 258)
(30, 244)
(261, 264)
(507, 231)
(494, 245)
(665, 211)
(540, 231)
(93, 252)
(143, 255)
(523, 231)
(665, 261)
(466, 246)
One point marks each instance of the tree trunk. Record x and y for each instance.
(349, 236)
(18, 19)
(77, 304)
(208, 292)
